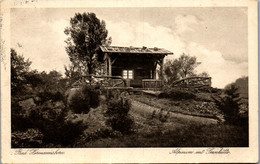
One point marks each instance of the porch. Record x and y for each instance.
(139, 67)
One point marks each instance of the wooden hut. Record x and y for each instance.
(136, 65)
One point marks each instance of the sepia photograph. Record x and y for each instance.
(142, 77)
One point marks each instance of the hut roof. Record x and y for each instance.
(134, 50)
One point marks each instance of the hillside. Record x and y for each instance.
(242, 84)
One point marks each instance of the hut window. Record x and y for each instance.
(128, 74)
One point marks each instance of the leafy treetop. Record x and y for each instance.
(182, 67)
(85, 34)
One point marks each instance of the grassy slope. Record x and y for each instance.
(175, 132)
(190, 107)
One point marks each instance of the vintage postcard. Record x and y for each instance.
(129, 81)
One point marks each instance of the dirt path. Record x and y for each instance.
(147, 112)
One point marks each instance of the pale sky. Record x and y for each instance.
(216, 36)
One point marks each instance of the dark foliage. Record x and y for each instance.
(19, 120)
(242, 85)
(119, 120)
(177, 94)
(51, 82)
(85, 34)
(122, 124)
(118, 106)
(43, 122)
(56, 129)
(80, 103)
(27, 83)
(112, 94)
(182, 67)
(85, 98)
(51, 123)
(50, 95)
(101, 133)
(19, 70)
(28, 139)
(93, 91)
(230, 105)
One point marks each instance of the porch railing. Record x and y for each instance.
(195, 82)
(104, 80)
(151, 83)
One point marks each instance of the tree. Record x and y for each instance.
(171, 70)
(51, 81)
(187, 65)
(179, 68)
(85, 34)
(19, 71)
(71, 71)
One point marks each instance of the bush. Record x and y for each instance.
(101, 133)
(122, 124)
(50, 95)
(54, 126)
(112, 94)
(118, 106)
(27, 139)
(84, 98)
(80, 103)
(177, 94)
(119, 120)
(19, 119)
(230, 106)
(93, 92)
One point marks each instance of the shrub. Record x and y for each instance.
(80, 103)
(230, 106)
(118, 106)
(122, 124)
(54, 126)
(50, 95)
(27, 139)
(119, 120)
(112, 94)
(102, 133)
(177, 94)
(84, 98)
(19, 120)
(93, 92)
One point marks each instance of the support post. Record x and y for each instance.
(106, 65)
(161, 70)
(154, 70)
(154, 73)
(109, 66)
